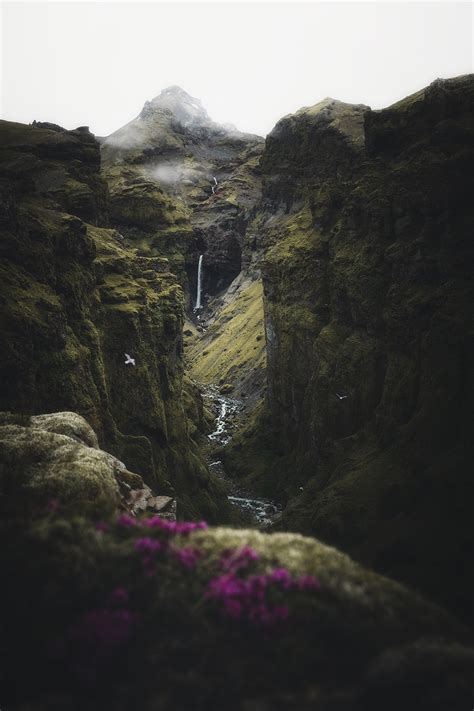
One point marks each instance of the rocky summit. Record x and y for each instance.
(236, 410)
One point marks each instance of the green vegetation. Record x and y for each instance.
(232, 351)
(121, 606)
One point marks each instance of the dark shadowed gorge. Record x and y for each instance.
(271, 335)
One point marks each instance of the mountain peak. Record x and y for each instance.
(185, 108)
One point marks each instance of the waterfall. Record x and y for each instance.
(199, 285)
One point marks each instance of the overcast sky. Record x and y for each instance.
(96, 64)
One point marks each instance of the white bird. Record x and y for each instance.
(341, 397)
(129, 359)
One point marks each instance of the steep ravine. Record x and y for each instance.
(328, 371)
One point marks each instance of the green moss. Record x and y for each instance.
(233, 349)
(332, 638)
(37, 465)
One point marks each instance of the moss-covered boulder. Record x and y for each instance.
(173, 615)
(39, 467)
(51, 462)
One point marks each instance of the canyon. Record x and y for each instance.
(269, 334)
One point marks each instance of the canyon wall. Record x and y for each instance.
(75, 299)
(366, 221)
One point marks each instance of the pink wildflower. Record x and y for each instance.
(281, 576)
(148, 545)
(119, 596)
(126, 521)
(182, 528)
(234, 560)
(187, 556)
(109, 628)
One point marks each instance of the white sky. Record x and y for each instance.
(95, 64)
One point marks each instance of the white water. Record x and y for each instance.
(220, 422)
(215, 184)
(262, 511)
(199, 285)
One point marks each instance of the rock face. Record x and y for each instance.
(182, 185)
(366, 219)
(74, 300)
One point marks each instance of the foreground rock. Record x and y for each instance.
(167, 615)
(53, 461)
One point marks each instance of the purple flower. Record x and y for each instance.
(233, 608)
(281, 576)
(175, 527)
(119, 596)
(187, 556)
(239, 558)
(108, 628)
(252, 598)
(126, 521)
(148, 545)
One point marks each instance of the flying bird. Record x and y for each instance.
(341, 397)
(129, 359)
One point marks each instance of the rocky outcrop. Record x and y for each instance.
(125, 611)
(74, 300)
(53, 461)
(366, 219)
(182, 185)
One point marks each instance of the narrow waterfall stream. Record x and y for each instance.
(263, 511)
(199, 285)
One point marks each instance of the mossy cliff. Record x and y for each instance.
(158, 615)
(75, 299)
(366, 219)
(182, 185)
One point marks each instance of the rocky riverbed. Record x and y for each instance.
(262, 512)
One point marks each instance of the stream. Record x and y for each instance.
(262, 511)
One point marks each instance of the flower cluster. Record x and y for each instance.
(107, 627)
(175, 528)
(188, 556)
(240, 592)
(250, 598)
(147, 547)
(181, 528)
(235, 559)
